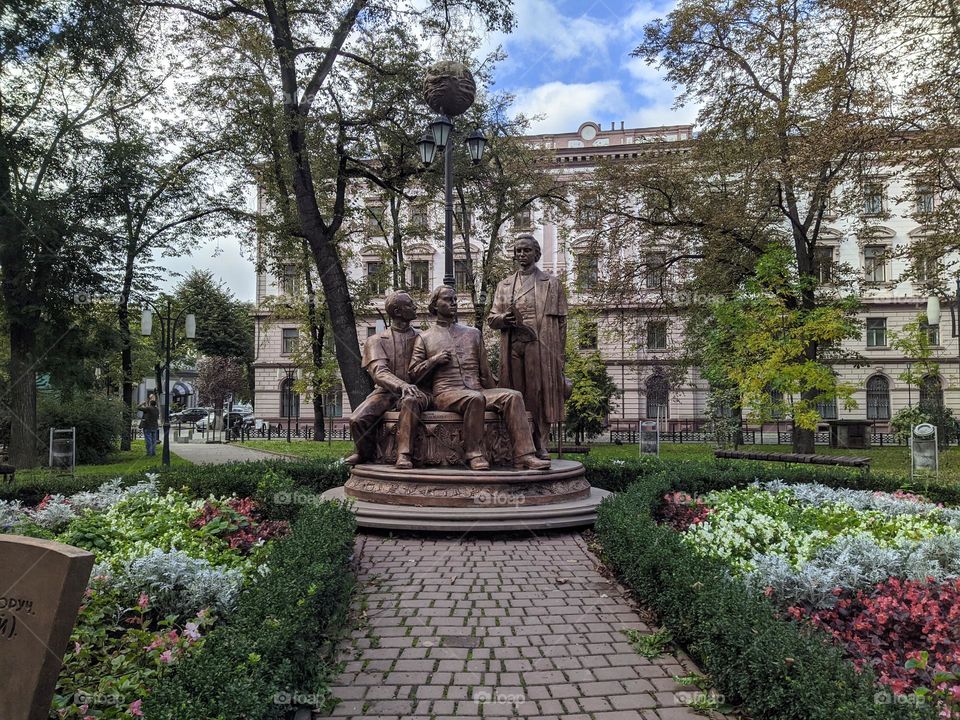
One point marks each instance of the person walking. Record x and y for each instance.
(151, 425)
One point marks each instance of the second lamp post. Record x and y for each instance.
(438, 136)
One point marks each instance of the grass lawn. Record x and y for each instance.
(309, 449)
(120, 463)
(886, 460)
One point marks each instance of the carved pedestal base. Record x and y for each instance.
(438, 439)
(456, 487)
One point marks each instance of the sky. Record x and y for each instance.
(568, 62)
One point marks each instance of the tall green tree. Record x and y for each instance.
(57, 63)
(294, 53)
(793, 101)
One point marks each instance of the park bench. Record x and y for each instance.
(8, 472)
(861, 463)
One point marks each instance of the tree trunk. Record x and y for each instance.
(126, 369)
(316, 350)
(319, 430)
(23, 395)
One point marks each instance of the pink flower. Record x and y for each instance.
(166, 657)
(173, 636)
(134, 708)
(203, 613)
(143, 601)
(192, 630)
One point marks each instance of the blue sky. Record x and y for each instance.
(568, 62)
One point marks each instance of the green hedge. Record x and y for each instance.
(282, 638)
(776, 668)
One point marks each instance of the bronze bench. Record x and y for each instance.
(861, 463)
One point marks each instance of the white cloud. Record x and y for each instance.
(564, 106)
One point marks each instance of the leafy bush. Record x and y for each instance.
(905, 419)
(778, 669)
(176, 583)
(98, 421)
(282, 636)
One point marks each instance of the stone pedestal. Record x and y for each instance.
(439, 439)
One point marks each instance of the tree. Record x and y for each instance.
(591, 399)
(304, 45)
(792, 104)
(57, 61)
(219, 378)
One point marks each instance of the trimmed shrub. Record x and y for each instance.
(98, 421)
(777, 669)
(282, 637)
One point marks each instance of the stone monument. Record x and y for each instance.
(42, 586)
(474, 463)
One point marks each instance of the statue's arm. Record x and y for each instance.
(498, 311)
(383, 377)
(420, 364)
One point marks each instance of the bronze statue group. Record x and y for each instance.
(445, 368)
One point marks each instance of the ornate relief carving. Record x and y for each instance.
(465, 494)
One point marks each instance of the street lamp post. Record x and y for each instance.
(449, 90)
(288, 385)
(168, 340)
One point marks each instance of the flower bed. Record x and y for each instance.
(877, 571)
(170, 570)
(716, 598)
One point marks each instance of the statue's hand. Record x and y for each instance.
(411, 390)
(510, 318)
(442, 358)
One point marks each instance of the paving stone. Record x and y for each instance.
(456, 620)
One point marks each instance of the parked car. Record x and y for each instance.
(189, 416)
(233, 419)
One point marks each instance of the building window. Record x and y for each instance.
(461, 275)
(333, 403)
(523, 219)
(931, 394)
(925, 200)
(658, 397)
(371, 330)
(873, 199)
(289, 342)
(933, 332)
(876, 332)
(420, 275)
(375, 220)
(289, 400)
(776, 404)
(588, 272)
(657, 335)
(827, 409)
(375, 279)
(656, 271)
(461, 216)
(587, 213)
(588, 335)
(927, 269)
(823, 264)
(420, 217)
(878, 398)
(874, 263)
(290, 279)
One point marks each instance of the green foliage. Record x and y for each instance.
(777, 669)
(224, 324)
(906, 418)
(593, 391)
(650, 645)
(759, 338)
(282, 637)
(97, 420)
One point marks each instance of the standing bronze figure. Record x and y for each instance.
(530, 310)
(452, 356)
(386, 357)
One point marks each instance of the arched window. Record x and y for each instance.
(289, 400)
(658, 397)
(878, 398)
(931, 394)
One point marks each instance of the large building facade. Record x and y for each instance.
(639, 342)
